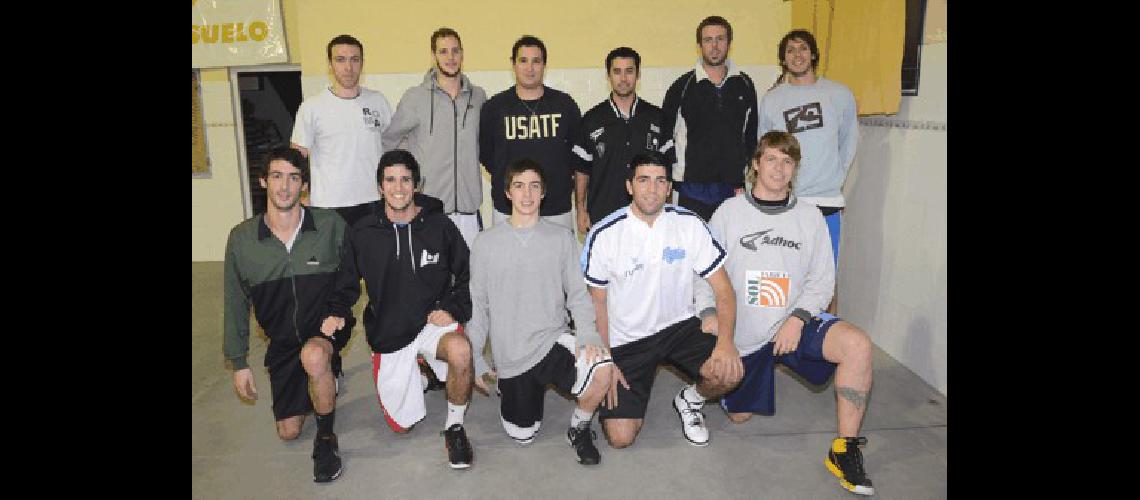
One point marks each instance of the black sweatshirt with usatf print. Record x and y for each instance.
(542, 130)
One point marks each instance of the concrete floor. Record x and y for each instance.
(236, 452)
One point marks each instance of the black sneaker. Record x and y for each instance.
(582, 439)
(326, 459)
(846, 461)
(459, 454)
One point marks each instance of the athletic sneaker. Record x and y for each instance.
(326, 459)
(692, 420)
(459, 454)
(582, 439)
(846, 461)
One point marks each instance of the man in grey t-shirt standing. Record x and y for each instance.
(524, 276)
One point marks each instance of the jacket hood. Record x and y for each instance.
(428, 205)
(428, 82)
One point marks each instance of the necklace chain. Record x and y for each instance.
(534, 110)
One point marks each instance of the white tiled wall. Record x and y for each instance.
(892, 270)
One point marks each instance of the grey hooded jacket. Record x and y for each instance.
(443, 136)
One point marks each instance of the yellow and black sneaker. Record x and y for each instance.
(846, 461)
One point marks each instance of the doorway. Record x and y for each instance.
(267, 98)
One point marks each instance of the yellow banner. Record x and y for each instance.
(237, 33)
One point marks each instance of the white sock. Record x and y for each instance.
(692, 396)
(454, 414)
(580, 416)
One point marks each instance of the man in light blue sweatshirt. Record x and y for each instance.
(822, 114)
(524, 276)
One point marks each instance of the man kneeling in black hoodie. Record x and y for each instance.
(415, 266)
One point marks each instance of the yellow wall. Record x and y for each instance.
(578, 34)
(396, 34)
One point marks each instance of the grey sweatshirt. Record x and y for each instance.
(522, 283)
(443, 136)
(824, 119)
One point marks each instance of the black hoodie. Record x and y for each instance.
(409, 271)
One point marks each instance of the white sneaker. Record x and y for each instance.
(692, 420)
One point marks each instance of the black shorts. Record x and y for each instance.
(682, 344)
(523, 395)
(288, 381)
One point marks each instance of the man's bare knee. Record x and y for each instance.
(315, 358)
(620, 440)
(457, 349)
(288, 429)
(858, 343)
(739, 418)
(620, 435)
(851, 343)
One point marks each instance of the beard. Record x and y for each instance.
(445, 73)
(709, 62)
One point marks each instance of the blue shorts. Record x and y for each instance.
(756, 393)
(833, 223)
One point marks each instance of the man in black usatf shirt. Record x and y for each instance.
(531, 120)
(610, 134)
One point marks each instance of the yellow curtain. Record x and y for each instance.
(861, 46)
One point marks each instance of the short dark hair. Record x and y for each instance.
(528, 41)
(807, 38)
(714, 21)
(445, 32)
(649, 158)
(623, 52)
(344, 40)
(287, 154)
(398, 157)
(522, 165)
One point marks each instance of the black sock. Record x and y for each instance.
(325, 423)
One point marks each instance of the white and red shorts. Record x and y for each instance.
(399, 386)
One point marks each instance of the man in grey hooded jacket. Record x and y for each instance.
(439, 120)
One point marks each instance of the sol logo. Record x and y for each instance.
(767, 288)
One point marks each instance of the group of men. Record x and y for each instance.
(720, 289)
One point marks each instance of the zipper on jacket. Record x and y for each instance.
(296, 303)
(455, 152)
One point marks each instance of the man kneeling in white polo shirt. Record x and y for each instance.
(639, 263)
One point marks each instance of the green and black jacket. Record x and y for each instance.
(288, 290)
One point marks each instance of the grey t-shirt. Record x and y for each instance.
(522, 283)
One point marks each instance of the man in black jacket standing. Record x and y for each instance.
(531, 120)
(415, 266)
(710, 113)
(610, 134)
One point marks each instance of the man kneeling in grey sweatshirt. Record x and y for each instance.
(524, 276)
